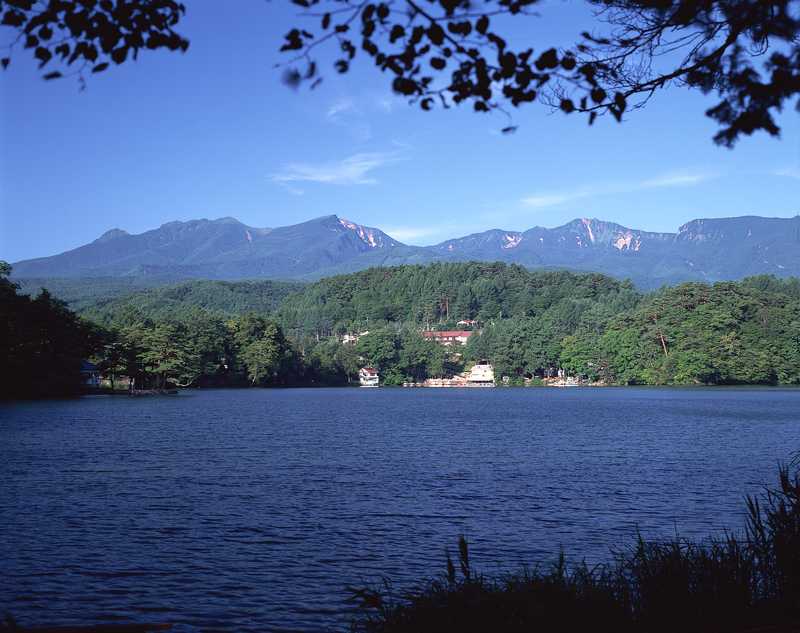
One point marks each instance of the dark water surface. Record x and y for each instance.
(254, 509)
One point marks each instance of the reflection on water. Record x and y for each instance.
(254, 509)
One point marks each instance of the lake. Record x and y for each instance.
(255, 509)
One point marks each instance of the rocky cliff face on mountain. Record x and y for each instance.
(708, 250)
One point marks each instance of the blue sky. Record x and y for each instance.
(215, 133)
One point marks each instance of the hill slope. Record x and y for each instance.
(701, 250)
(214, 249)
(222, 298)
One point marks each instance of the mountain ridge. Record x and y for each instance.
(707, 249)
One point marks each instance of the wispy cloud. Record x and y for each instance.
(667, 180)
(674, 179)
(353, 170)
(295, 191)
(385, 104)
(789, 172)
(340, 107)
(551, 199)
(346, 113)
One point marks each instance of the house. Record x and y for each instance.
(448, 337)
(352, 339)
(481, 375)
(468, 323)
(368, 377)
(90, 374)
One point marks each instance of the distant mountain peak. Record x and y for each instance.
(703, 249)
(111, 235)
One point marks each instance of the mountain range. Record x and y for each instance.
(703, 249)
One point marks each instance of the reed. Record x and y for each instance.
(742, 581)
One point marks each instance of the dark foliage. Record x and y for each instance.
(447, 52)
(75, 37)
(736, 583)
(728, 333)
(442, 294)
(178, 301)
(528, 324)
(42, 344)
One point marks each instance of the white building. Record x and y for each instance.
(368, 377)
(481, 375)
(448, 337)
(352, 339)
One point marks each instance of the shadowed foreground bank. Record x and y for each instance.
(749, 582)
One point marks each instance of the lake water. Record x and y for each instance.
(255, 509)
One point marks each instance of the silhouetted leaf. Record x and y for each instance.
(598, 95)
(404, 86)
(118, 55)
(548, 59)
(436, 34)
(43, 55)
(291, 77)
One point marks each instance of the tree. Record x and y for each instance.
(73, 37)
(379, 348)
(114, 360)
(420, 358)
(261, 347)
(262, 358)
(42, 343)
(451, 52)
(164, 353)
(347, 361)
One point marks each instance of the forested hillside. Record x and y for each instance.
(42, 344)
(592, 326)
(728, 333)
(80, 294)
(443, 294)
(528, 324)
(225, 298)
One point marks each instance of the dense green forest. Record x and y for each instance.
(224, 298)
(530, 324)
(729, 333)
(442, 294)
(103, 298)
(42, 343)
(83, 293)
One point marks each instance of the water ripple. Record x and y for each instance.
(254, 510)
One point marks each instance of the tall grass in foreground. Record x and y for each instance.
(735, 583)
